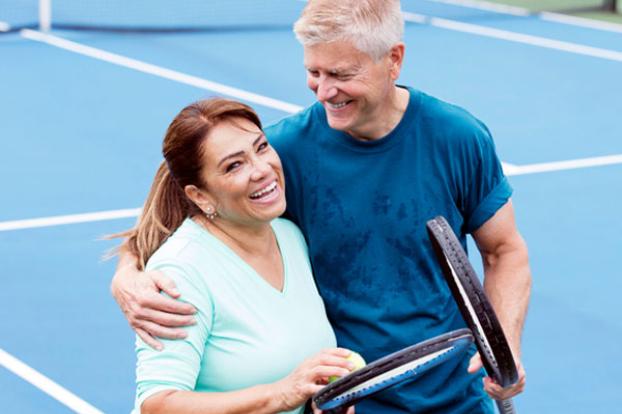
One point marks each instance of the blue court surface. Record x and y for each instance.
(82, 117)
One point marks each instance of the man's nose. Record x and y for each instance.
(326, 89)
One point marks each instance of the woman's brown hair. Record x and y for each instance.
(167, 205)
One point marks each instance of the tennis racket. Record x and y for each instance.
(474, 306)
(392, 369)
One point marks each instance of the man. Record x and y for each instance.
(366, 166)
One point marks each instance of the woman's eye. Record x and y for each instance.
(233, 166)
(262, 146)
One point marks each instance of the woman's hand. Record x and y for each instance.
(349, 410)
(311, 376)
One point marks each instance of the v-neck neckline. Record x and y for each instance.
(256, 276)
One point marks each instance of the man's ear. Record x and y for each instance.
(396, 59)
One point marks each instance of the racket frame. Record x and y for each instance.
(346, 391)
(474, 306)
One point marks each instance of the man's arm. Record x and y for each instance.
(149, 312)
(507, 282)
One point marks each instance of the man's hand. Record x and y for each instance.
(495, 390)
(149, 312)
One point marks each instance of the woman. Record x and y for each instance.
(260, 323)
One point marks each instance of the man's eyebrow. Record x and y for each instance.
(240, 153)
(336, 70)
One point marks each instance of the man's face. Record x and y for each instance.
(354, 90)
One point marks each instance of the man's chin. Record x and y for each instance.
(338, 124)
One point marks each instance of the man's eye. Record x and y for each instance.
(233, 166)
(262, 146)
(314, 73)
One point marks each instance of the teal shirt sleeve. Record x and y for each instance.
(177, 365)
(484, 187)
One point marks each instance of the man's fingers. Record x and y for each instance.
(475, 364)
(149, 340)
(499, 393)
(164, 283)
(170, 320)
(161, 331)
(165, 304)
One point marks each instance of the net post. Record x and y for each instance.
(611, 6)
(45, 15)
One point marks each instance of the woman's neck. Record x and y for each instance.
(245, 239)
(256, 245)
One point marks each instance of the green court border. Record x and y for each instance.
(568, 5)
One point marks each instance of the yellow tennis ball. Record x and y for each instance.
(356, 359)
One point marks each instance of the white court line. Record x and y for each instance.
(68, 219)
(514, 37)
(508, 169)
(580, 21)
(565, 165)
(46, 385)
(548, 16)
(158, 71)
(488, 6)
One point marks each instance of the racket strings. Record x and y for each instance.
(393, 369)
(393, 376)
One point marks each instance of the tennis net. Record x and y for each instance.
(149, 15)
(201, 15)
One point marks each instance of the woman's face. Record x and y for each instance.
(243, 173)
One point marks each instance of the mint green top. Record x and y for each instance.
(247, 332)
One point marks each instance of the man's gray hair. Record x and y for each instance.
(373, 26)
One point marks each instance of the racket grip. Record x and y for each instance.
(506, 406)
(340, 410)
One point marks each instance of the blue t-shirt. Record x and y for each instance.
(363, 205)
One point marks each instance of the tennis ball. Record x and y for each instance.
(356, 359)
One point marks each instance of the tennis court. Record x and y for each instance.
(83, 113)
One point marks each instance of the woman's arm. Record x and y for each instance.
(284, 395)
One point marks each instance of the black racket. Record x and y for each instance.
(475, 308)
(392, 369)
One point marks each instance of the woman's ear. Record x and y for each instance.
(199, 197)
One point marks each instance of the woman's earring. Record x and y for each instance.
(211, 213)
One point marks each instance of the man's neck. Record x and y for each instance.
(388, 118)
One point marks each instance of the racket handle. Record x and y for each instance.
(506, 406)
(340, 410)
